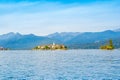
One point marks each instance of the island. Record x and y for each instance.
(51, 47)
(109, 46)
(1, 48)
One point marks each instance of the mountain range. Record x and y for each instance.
(73, 40)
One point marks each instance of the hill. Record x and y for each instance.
(88, 40)
(73, 40)
(19, 41)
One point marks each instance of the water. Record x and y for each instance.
(60, 65)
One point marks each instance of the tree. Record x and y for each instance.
(111, 43)
(46, 47)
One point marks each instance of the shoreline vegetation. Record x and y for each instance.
(51, 47)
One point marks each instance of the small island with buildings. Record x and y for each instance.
(51, 47)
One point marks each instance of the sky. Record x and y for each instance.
(42, 17)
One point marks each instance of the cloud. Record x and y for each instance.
(49, 17)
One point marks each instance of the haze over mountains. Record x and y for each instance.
(74, 40)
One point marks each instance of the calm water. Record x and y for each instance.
(60, 65)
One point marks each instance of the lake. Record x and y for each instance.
(60, 65)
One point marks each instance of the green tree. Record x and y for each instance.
(110, 42)
(46, 47)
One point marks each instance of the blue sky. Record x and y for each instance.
(42, 17)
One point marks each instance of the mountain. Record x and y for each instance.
(74, 40)
(87, 39)
(94, 37)
(19, 41)
(9, 35)
(64, 36)
(117, 30)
